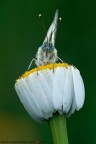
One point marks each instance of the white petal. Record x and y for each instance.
(39, 87)
(72, 108)
(78, 88)
(58, 88)
(24, 98)
(48, 78)
(31, 96)
(68, 91)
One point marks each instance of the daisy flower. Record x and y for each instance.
(48, 92)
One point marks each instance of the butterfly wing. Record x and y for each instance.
(51, 34)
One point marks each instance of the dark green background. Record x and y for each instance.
(20, 36)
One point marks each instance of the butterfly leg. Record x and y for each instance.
(37, 69)
(31, 63)
(60, 59)
(38, 63)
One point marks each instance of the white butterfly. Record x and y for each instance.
(47, 52)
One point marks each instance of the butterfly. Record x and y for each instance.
(47, 53)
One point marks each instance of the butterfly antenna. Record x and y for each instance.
(41, 21)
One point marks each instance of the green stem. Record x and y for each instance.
(58, 129)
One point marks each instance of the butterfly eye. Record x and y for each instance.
(44, 46)
(51, 47)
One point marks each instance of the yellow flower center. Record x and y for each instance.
(44, 67)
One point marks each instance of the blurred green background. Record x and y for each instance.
(20, 36)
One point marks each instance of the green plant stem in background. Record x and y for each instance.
(58, 129)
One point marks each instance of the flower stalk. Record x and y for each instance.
(58, 129)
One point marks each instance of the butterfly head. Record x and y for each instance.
(47, 47)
